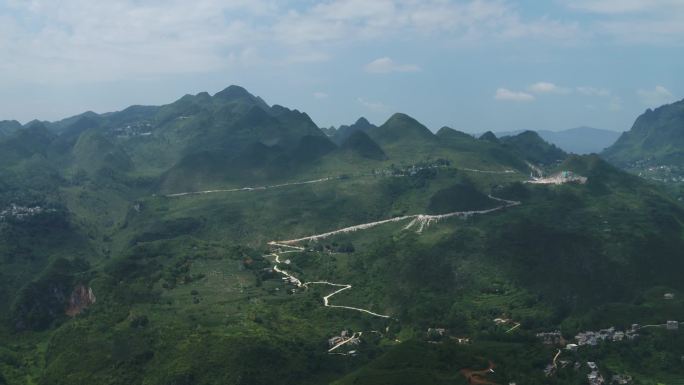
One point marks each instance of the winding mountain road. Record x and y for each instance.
(421, 221)
(249, 188)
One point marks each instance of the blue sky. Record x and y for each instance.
(472, 65)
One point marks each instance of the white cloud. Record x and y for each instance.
(508, 95)
(656, 97)
(593, 91)
(76, 40)
(373, 105)
(635, 21)
(351, 20)
(386, 65)
(320, 95)
(668, 29)
(72, 41)
(547, 88)
(624, 6)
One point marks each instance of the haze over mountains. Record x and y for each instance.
(222, 240)
(578, 140)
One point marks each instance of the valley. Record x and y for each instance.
(243, 249)
(342, 192)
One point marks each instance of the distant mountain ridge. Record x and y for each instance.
(581, 140)
(530, 146)
(9, 126)
(204, 141)
(578, 140)
(340, 134)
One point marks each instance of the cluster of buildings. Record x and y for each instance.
(435, 335)
(344, 335)
(20, 212)
(622, 379)
(551, 338)
(345, 338)
(661, 173)
(134, 129)
(592, 338)
(412, 170)
(594, 377)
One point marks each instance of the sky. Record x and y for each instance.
(473, 65)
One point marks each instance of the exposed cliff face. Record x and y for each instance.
(81, 298)
(45, 302)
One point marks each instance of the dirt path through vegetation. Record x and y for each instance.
(420, 221)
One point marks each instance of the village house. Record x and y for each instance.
(334, 341)
(436, 333)
(669, 296)
(21, 212)
(595, 377)
(337, 339)
(587, 338)
(572, 347)
(621, 379)
(551, 338)
(592, 338)
(672, 325)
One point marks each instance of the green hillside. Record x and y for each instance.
(531, 147)
(652, 149)
(401, 128)
(221, 240)
(360, 143)
(656, 138)
(8, 127)
(342, 133)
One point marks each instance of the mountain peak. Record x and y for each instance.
(233, 92)
(490, 137)
(450, 133)
(401, 127)
(401, 118)
(9, 126)
(342, 133)
(529, 135)
(530, 146)
(362, 121)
